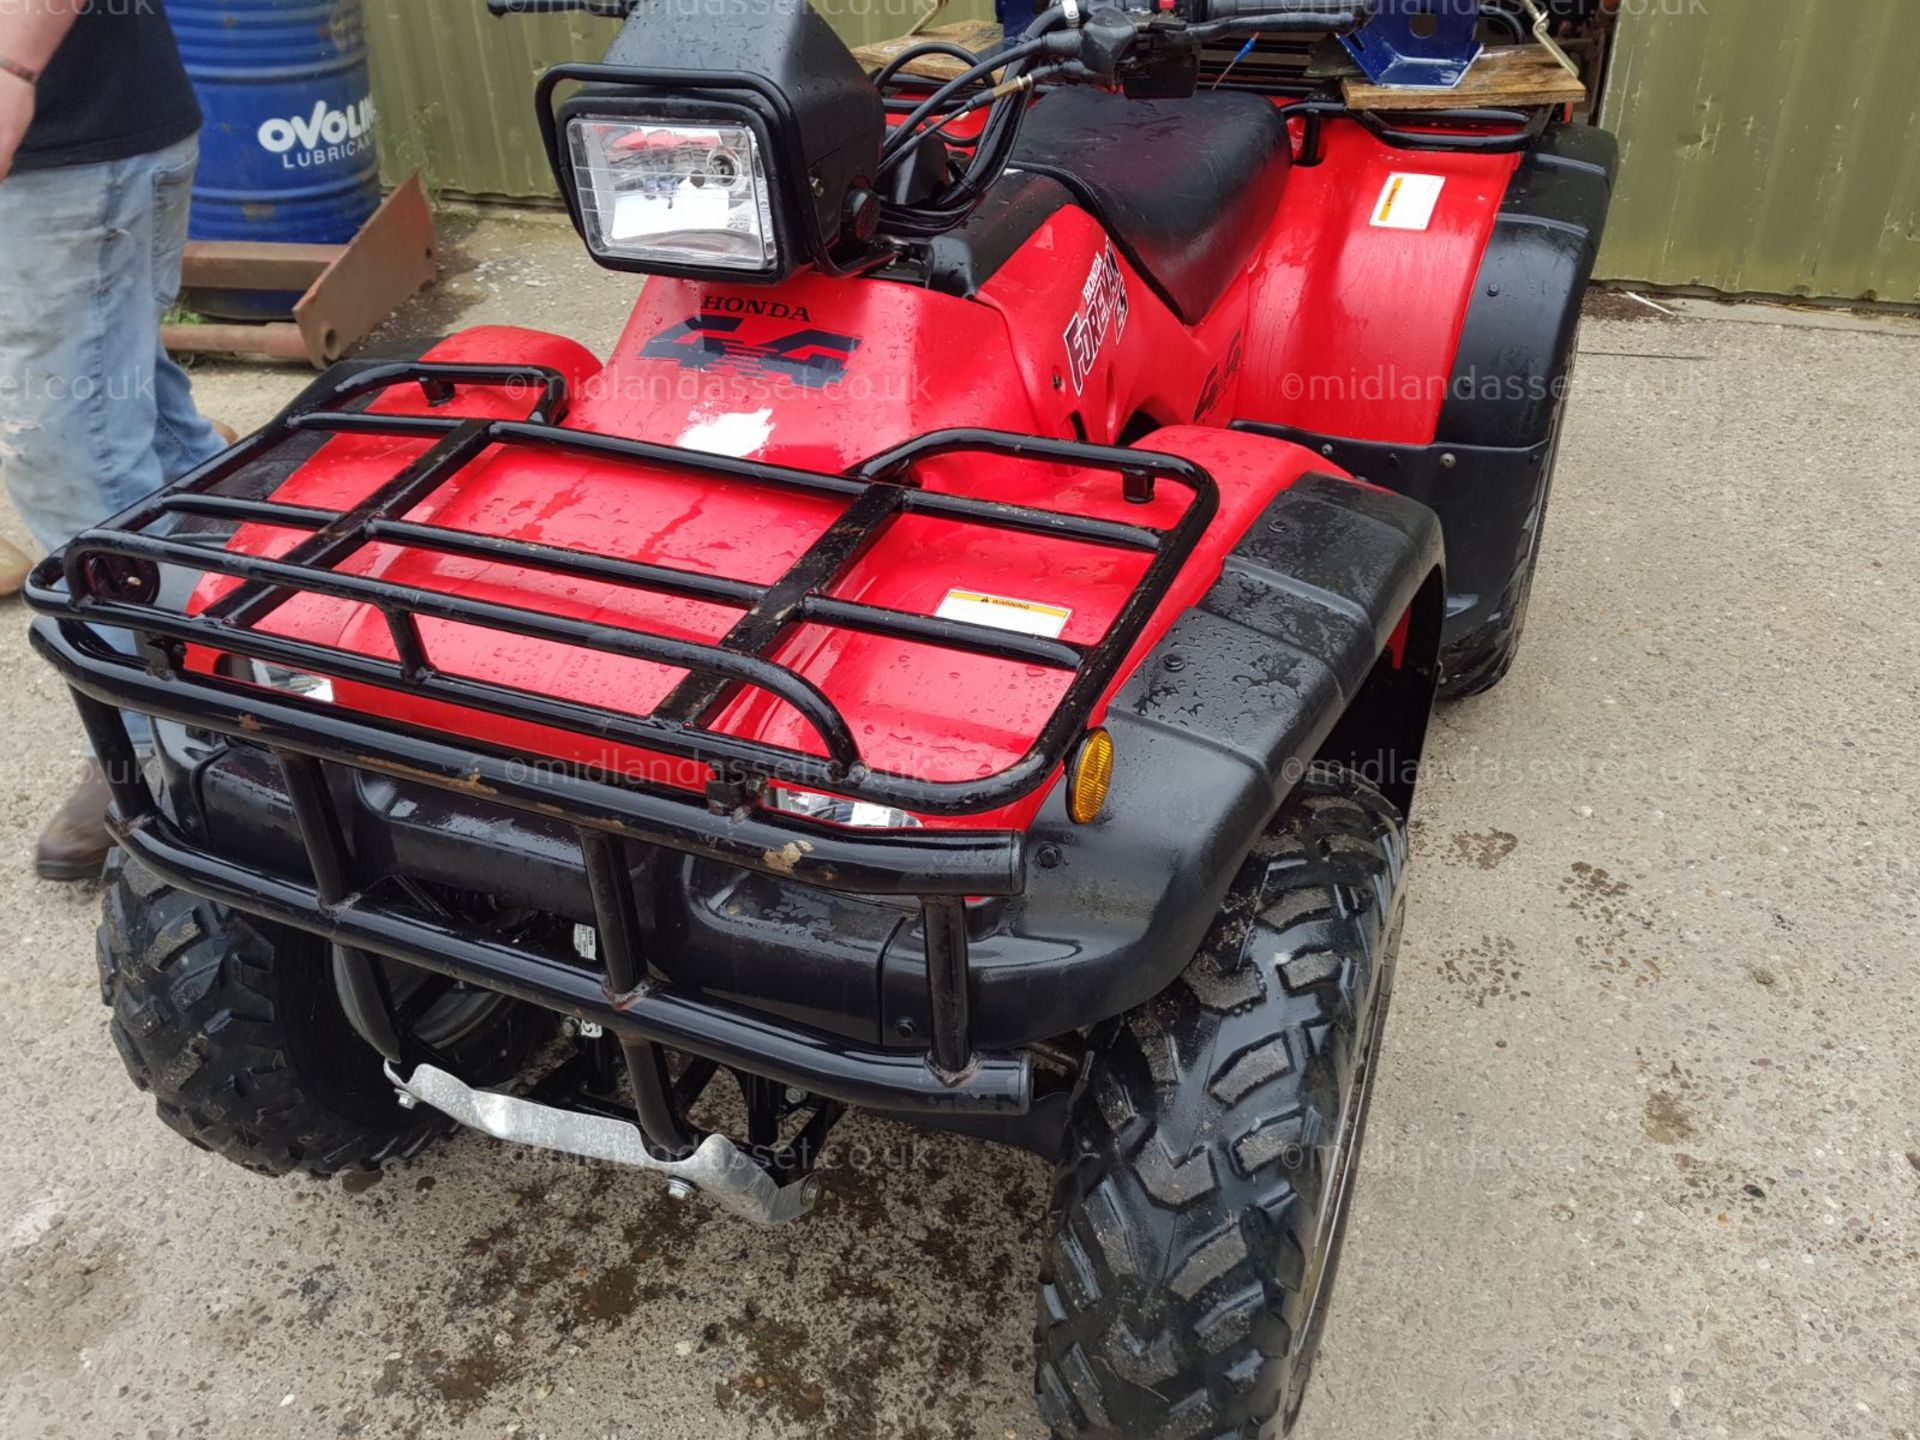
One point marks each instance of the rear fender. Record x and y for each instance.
(1455, 401)
(1355, 323)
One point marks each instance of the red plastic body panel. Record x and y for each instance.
(1355, 326)
(821, 373)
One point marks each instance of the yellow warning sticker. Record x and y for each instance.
(1026, 617)
(1407, 202)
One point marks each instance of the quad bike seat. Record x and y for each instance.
(1185, 187)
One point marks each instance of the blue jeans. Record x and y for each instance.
(94, 416)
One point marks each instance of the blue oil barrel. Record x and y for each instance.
(287, 153)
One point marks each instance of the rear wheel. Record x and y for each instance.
(1199, 1208)
(236, 1029)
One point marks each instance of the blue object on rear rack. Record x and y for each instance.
(287, 153)
(1014, 17)
(1418, 44)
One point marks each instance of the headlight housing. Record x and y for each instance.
(675, 193)
(799, 122)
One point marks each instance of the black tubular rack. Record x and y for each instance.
(110, 576)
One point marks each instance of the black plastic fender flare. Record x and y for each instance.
(1283, 662)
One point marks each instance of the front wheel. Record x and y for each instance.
(1199, 1208)
(235, 1027)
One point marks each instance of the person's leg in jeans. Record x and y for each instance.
(91, 420)
(183, 438)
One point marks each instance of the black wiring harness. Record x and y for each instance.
(965, 184)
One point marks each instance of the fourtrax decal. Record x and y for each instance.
(757, 338)
(1102, 313)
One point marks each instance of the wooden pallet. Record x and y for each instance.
(1507, 77)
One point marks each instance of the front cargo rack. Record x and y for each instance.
(111, 576)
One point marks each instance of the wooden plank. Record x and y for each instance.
(977, 36)
(1504, 77)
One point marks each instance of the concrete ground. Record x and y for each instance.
(1645, 1158)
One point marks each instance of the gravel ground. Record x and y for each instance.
(1644, 1158)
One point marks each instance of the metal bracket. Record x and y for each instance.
(1542, 32)
(926, 19)
(717, 1167)
(345, 291)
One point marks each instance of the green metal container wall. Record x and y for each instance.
(1768, 146)
(454, 85)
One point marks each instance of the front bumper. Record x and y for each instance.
(350, 903)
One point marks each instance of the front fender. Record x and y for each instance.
(1319, 641)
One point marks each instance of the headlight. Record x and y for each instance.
(682, 194)
(859, 814)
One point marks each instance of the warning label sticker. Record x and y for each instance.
(1407, 202)
(1027, 617)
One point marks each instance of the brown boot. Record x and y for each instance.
(226, 432)
(75, 843)
(14, 566)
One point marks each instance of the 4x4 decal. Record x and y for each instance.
(714, 342)
(1220, 377)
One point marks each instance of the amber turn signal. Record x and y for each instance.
(1089, 777)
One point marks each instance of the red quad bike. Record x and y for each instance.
(943, 662)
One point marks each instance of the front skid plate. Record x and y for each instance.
(717, 1167)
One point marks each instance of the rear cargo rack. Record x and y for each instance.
(110, 576)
